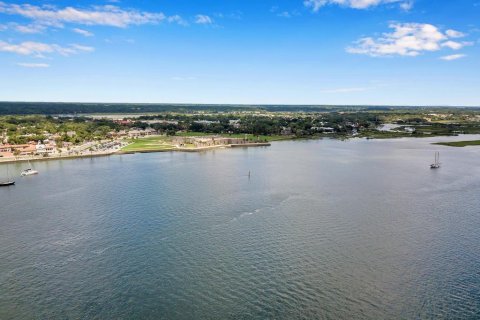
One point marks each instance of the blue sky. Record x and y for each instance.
(380, 52)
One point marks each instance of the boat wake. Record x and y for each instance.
(266, 208)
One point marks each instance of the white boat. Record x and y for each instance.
(29, 171)
(436, 164)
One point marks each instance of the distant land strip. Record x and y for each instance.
(55, 108)
(460, 144)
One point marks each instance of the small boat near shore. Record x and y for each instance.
(29, 171)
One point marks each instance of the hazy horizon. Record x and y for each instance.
(245, 104)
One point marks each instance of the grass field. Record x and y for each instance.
(460, 144)
(164, 143)
(158, 143)
(239, 135)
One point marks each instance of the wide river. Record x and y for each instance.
(327, 229)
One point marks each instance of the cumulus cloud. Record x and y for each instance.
(453, 57)
(408, 39)
(84, 33)
(39, 49)
(33, 65)
(316, 5)
(107, 15)
(203, 19)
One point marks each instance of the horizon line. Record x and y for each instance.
(250, 104)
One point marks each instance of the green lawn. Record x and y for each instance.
(164, 143)
(149, 144)
(236, 135)
(460, 144)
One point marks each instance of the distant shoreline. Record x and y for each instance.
(456, 144)
(120, 152)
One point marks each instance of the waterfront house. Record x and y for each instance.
(5, 148)
(48, 148)
(20, 149)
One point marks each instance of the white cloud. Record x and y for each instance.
(407, 39)
(33, 65)
(29, 28)
(453, 57)
(26, 48)
(78, 48)
(454, 45)
(107, 15)
(84, 33)
(316, 5)
(203, 19)
(455, 34)
(39, 49)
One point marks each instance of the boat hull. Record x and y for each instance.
(6, 184)
(31, 173)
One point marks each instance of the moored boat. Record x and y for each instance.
(29, 171)
(436, 164)
(8, 182)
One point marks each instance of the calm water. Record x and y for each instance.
(322, 229)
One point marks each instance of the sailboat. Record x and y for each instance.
(8, 182)
(436, 164)
(29, 171)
